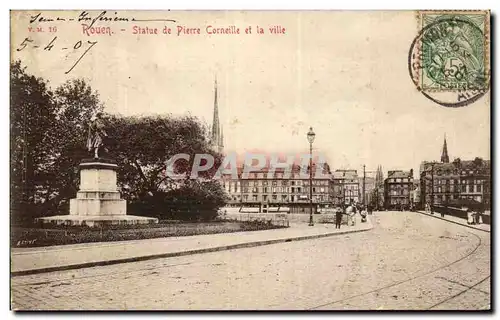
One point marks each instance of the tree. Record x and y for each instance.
(32, 118)
(48, 134)
(76, 104)
(142, 146)
(47, 141)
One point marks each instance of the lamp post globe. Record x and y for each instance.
(310, 137)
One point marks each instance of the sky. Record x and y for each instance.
(343, 73)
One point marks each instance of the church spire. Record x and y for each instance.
(444, 155)
(217, 139)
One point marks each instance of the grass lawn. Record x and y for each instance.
(59, 235)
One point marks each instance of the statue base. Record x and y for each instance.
(97, 202)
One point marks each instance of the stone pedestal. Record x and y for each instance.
(98, 201)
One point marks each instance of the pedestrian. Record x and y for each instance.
(338, 218)
(363, 214)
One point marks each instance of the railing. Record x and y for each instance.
(458, 212)
(280, 220)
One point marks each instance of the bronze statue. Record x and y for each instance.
(96, 135)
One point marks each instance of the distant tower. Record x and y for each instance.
(217, 139)
(379, 177)
(444, 154)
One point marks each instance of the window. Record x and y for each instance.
(283, 197)
(275, 183)
(265, 189)
(264, 197)
(471, 188)
(254, 197)
(275, 197)
(245, 197)
(478, 188)
(464, 188)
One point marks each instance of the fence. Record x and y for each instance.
(279, 220)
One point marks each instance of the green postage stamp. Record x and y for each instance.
(449, 60)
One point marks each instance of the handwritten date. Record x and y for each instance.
(76, 47)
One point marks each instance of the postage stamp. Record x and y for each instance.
(449, 59)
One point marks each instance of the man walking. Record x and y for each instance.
(338, 218)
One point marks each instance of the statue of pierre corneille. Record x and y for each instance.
(97, 134)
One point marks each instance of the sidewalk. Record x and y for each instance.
(463, 222)
(55, 258)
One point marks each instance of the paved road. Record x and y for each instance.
(408, 261)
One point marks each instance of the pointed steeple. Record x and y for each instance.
(444, 155)
(216, 139)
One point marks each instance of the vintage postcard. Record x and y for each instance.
(250, 160)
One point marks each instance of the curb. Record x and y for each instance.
(460, 224)
(179, 254)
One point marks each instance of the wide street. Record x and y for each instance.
(407, 261)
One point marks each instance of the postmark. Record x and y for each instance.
(448, 60)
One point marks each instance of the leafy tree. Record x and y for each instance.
(77, 103)
(46, 141)
(32, 115)
(48, 134)
(142, 146)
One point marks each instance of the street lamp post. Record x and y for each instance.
(310, 137)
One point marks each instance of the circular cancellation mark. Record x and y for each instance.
(448, 61)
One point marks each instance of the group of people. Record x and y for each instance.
(351, 211)
(474, 217)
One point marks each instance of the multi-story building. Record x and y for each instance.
(444, 183)
(398, 187)
(345, 187)
(279, 189)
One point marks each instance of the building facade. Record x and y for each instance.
(398, 188)
(278, 189)
(345, 185)
(445, 183)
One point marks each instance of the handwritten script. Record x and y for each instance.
(85, 16)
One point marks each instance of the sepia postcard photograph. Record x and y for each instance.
(242, 160)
